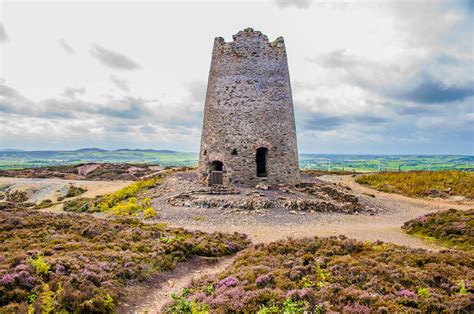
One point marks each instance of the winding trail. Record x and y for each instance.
(151, 296)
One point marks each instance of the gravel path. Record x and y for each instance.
(278, 223)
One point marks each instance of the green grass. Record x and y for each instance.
(452, 228)
(422, 183)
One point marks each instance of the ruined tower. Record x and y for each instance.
(248, 134)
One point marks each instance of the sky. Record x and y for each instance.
(368, 77)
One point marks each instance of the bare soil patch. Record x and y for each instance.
(37, 190)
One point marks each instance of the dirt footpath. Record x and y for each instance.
(149, 297)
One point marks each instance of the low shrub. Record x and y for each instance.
(452, 228)
(128, 201)
(44, 204)
(113, 199)
(422, 183)
(336, 274)
(81, 205)
(74, 191)
(80, 264)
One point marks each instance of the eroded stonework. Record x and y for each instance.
(249, 126)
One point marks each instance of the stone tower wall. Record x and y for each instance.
(249, 105)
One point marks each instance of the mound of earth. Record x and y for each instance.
(97, 172)
(311, 196)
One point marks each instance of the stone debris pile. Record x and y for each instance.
(316, 196)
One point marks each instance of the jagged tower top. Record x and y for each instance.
(249, 34)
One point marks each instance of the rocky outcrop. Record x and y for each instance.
(247, 203)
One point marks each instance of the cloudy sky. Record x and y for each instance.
(368, 77)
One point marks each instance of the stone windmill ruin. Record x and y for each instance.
(249, 133)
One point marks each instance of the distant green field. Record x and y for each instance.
(365, 163)
(332, 162)
(19, 160)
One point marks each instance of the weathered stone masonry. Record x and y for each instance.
(249, 125)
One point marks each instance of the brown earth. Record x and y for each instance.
(94, 171)
(37, 190)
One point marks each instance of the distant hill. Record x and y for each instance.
(92, 149)
(163, 151)
(11, 150)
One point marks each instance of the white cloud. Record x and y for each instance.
(121, 84)
(63, 43)
(112, 59)
(300, 4)
(3, 34)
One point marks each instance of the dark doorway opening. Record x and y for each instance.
(261, 159)
(216, 174)
(217, 165)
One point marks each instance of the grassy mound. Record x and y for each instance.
(452, 228)
(422, 183)
(335, 274)
(80, 264)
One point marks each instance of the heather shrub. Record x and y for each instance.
(52, 263)
(80, 205)
(422, 183)
(337, 274)
(452, 228)
(73, 191)
(44, 204)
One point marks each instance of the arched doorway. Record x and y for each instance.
(216, 172)
(217, 165)
(261, 159)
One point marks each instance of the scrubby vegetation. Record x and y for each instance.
(116, 198)
(76, 264)
(44, 204)
(452, 228)
(422, 183)
(73, 191)
(128, 201)
(319, 172)
(335, 274)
